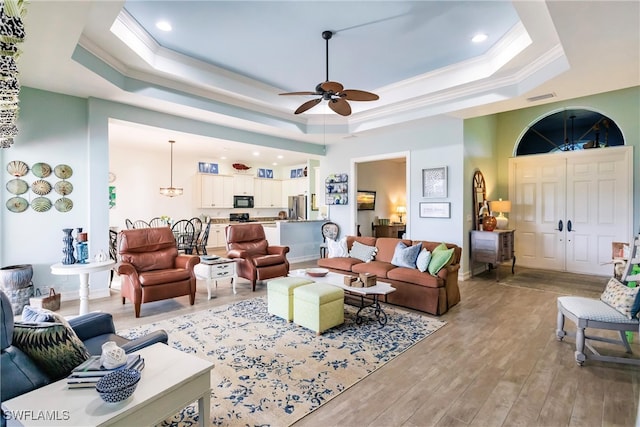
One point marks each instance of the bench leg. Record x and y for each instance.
(580, 356)
(560, 333)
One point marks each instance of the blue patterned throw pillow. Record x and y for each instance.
(405, 256)
(620, 297)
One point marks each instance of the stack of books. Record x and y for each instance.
(89, 373)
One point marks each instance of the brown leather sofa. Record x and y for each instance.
(414, 289)
(255, 259)
(151, 269)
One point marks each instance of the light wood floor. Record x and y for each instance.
(496, 363)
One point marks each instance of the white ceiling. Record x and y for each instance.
(225, 62)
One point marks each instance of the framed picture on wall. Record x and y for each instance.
(434, 183)
(435, 210)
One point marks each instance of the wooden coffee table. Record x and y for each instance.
(170, 381)
(359, 297)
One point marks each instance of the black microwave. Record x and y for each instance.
(243, 202)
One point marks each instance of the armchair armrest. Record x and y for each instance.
(277, 250)
(237, 253)
(126, 268)
(145, 341)
(92, 324)
(187, 261)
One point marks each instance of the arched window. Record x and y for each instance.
(568, 130)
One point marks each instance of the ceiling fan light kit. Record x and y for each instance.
(333, 92)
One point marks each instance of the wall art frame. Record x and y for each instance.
(434, 183)
(435, 210)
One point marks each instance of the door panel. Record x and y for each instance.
(590, 191)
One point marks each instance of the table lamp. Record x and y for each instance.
(501, 206)
(401, 210)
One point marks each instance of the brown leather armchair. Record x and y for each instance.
(151, 269)
(255, 259)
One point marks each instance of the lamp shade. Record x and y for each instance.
(401, 210)
(501, 206)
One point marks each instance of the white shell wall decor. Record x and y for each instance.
(17, 186)
(41, 170)
(41, 204)
(17, 168)
(63, 187)
(40, 187)
(63, 204)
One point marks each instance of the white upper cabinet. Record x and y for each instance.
(214, 191)
(268, 193)
(243, 185)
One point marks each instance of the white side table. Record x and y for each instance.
(214, 270)
(83, 271)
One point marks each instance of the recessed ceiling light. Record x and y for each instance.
(479, 38)
(275, 163)
(223, 157)
(256, 153)
(280, 156)
(163, 26)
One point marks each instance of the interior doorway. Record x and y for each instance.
(387, 176)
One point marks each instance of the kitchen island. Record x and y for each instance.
(302, 236)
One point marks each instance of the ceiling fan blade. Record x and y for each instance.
(299, 93)
(334, 87)
(358, 95)
(307, 105)
(340, 106)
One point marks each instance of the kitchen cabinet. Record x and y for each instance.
(217, 237)
(214, 191)
(493, 247)
(268, 193)
(243, 185)
(294, 187)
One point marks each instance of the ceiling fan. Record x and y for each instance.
(333, 92)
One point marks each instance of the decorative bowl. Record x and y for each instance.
(317, 272)
(119, 385)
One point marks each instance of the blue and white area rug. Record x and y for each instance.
(269, 372)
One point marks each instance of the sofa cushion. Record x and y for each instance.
(37, 314)
(440, 258)
(422, 262)
(337, 248)
(406, 256)
(379, 268)
(387, 247)
(342, 263)
(54, 347)
(619, 296)
(413, 275)
(363, 252)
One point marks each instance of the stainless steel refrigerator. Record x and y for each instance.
(298, 207)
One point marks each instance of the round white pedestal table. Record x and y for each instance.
(83, 271)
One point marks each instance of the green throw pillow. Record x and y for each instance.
(439, 258)
(54, 347)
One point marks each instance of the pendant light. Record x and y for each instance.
(171, 191)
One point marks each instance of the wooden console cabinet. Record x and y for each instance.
(395, 230)
(493, 247)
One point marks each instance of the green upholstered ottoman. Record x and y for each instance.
(318, 306)
(280, 295)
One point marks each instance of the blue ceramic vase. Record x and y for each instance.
(67, 248)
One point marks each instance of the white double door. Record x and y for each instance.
(568, 207)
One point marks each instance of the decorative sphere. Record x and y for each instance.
(489, 223)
